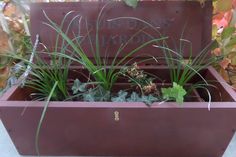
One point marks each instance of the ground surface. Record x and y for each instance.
(7, 148)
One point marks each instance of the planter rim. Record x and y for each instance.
(131, 105)
(4, 102)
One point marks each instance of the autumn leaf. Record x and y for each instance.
(224, 74)
(4, 74)
(16, 26)
(225, 63)
(3, 41)
(217, 52)
(234, 3)
(223, 5)
(222, 20)
(232, 56)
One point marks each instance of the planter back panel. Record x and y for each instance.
(172, 18)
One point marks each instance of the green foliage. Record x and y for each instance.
(149, 99)
(140, 79)
(43, 116)
(227, 32)
(98, 68)
(40, 75)
(226, 44)
(78, 86)
(176, 92)
(96, 94)
(181, 69)
(83, 92)
(121, 97)
(134, 97)
(131, 3)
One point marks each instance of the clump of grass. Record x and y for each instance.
(98, 68)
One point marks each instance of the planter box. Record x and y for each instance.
(123, 129)
(127, 129)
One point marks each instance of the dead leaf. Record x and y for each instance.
(223, 19)
(224, 74)
(225, 63)
(234, 3)
(217, 52)
(4, 47)
(16, 26)
(223, 5)
(12, 11)
(4, 74)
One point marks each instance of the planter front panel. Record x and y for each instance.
(164, 132)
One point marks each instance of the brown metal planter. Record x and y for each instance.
(127, 129)
(122, 129)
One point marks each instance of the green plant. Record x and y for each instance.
(176, 93)
(139, 78)
(99, 68)
(183, 70)
(124, 96)
(41, 74)
(42, 117)
(14, 37)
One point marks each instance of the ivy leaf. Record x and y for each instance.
(176, 92)
(134, 97)
(131, 3)
(90, 96)
(78, 86)
(121, 97)
(75, 87)
(148, 100)
(102, 94)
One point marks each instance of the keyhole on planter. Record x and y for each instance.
(117, 116)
